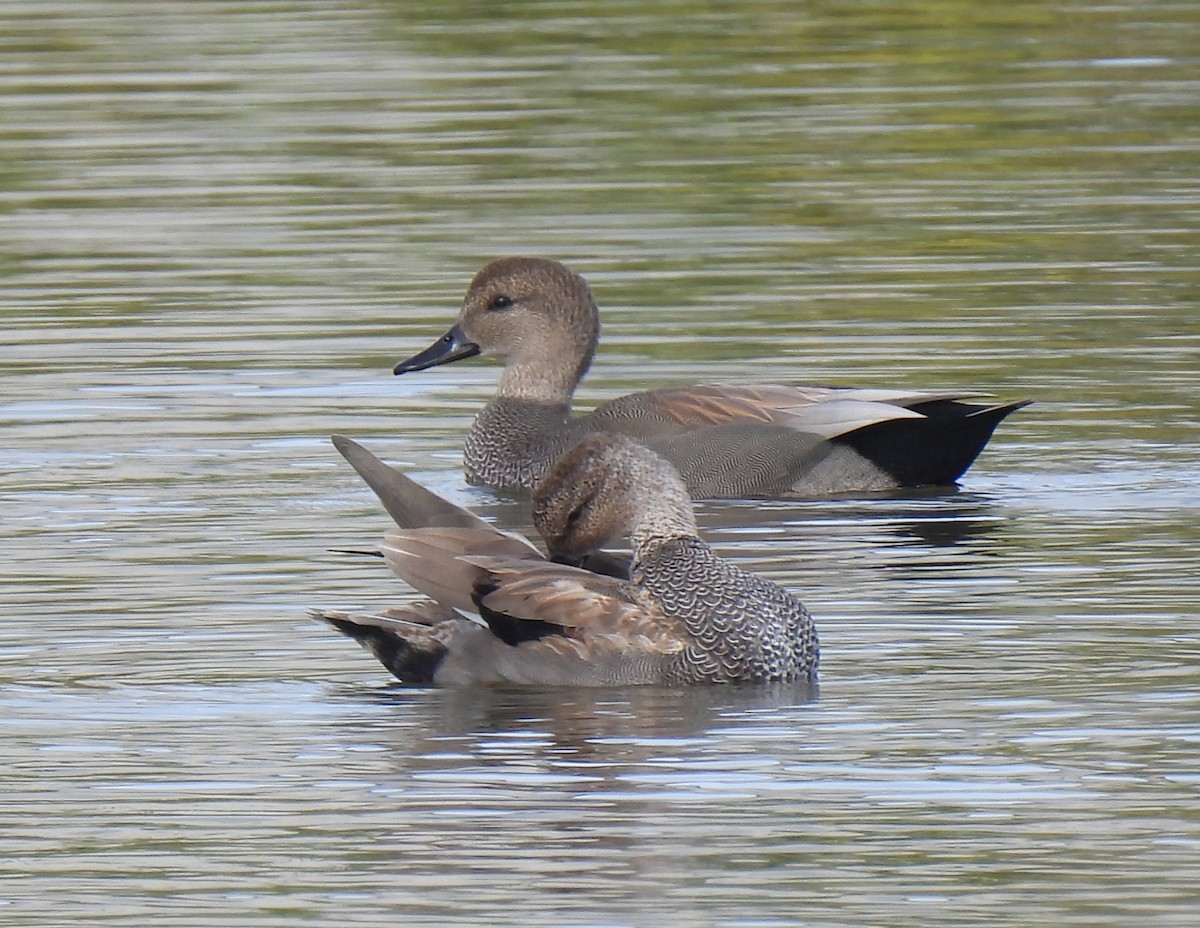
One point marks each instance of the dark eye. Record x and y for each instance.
(501, 301)
(574, 516)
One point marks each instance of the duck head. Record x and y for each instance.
(530, 313)
(604, 487)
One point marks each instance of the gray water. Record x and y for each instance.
(222, 222)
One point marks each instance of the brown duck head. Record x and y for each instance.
(534, 315)
(604, 487)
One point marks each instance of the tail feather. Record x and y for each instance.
(411, 643)
(935, 450)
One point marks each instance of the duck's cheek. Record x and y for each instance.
(499, 346)
(594, 538)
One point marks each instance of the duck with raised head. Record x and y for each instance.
(745, 441)
(684, 616)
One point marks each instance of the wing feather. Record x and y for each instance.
(824, 411)
(430, 560)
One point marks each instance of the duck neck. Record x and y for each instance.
(521, 430)
(549, 382)
(663, 516)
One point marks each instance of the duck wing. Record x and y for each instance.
(409, 504)
(436, 561)
(824, 411)
(519, 594)
(540, 622)
(592, 611)
(771, 440)
(740, 459)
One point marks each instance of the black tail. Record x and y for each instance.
(410, 660)
(934, 451)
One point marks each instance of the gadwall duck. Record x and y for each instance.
(727, 440)
(684, 615)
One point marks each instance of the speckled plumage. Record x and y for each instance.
(512, 443)
(743, 627)
(727, 440)
(684, 616)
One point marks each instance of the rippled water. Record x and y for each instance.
(222, 222)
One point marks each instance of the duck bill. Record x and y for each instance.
(453, 346)
(607, 563)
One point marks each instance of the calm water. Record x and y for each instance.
(222, 222)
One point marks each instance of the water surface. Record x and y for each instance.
(222, 222)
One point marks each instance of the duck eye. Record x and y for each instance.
(501, 301)
(575, 516)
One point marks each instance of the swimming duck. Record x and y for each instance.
(726, 440)
(684, 615)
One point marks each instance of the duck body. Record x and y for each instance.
(498, 611)
(726, 440)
